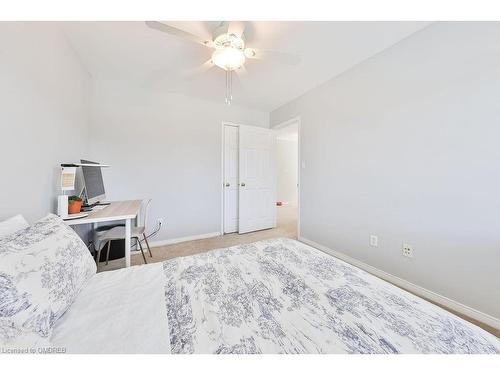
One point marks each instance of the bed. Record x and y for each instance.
(272, 296)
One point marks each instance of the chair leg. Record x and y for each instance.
(142, 251)
(107, 253)
(147, 244)
(98, 258)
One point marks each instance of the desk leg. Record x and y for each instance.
(136, 224)
(127, 242)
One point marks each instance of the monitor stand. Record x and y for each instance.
(88, 207)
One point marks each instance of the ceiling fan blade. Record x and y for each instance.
(280, 57)
(178, 32)
(236, 27)
(163, 76)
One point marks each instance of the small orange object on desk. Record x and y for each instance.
(74, 204)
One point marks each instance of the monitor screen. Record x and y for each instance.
(94, 184)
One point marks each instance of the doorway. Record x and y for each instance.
(288, 176)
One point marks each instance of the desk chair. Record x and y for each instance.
(118, 233)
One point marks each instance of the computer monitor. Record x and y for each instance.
(94, 184)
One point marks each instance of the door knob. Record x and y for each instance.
(243, 184)
(227, 184)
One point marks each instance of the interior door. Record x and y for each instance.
(257, 201)
(231, 190)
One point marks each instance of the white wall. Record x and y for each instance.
(287, 163)
(406, 146)
(166, 147)
(43, 117)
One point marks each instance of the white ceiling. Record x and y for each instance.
(133, 52)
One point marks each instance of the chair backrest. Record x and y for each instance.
(143, 218)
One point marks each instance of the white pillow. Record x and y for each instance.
(12, 225)
(42, 270)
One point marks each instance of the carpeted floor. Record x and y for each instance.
(286, 227)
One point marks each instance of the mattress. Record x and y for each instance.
(273, 296)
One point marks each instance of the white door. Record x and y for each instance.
(231, 166)
(257, 201)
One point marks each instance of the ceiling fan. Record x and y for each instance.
(230, 52)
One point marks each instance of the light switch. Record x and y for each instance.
(303, 165)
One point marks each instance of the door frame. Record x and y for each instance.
(284, 124)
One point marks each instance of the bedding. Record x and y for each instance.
(121, 311)
(42, 270)
(12, 225)
(282, 296)
(273, 296)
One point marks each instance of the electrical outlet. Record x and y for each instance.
(373, 240)
(407, 250)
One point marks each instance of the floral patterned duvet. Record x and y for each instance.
(282, 296)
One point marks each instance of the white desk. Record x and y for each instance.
(122, 210)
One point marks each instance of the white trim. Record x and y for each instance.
(415, 289)
(223, 144)
(171, 241)
(284, 124)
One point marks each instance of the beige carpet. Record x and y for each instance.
(286, 227)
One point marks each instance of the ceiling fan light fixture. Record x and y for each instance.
(230, 54)
(228, 58)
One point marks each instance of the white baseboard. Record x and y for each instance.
(418, 290)
(171, 241)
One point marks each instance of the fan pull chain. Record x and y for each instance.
(229, 87)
